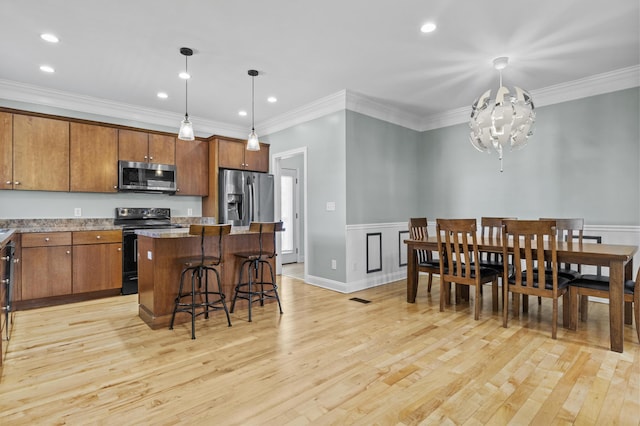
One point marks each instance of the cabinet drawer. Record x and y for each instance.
(46, 239)
(97, 237)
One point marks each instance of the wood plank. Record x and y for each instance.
(326, 360)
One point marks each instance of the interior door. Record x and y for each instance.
(289, 213)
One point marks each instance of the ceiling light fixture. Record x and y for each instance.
(504, 121)
(162, 95)
(49, 37)
(272, 99)
(47, 69)
(428, 27)
(186, 127)
(252, 143)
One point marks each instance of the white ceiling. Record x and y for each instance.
(125, 51)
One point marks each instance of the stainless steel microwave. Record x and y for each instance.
(146, 177)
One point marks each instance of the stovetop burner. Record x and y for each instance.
(144, 218)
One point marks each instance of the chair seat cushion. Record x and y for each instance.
(548, 282)
(563, 272)
(198, 261)
(601, 285)
(430, 264)
(497, 266)
(484, 272)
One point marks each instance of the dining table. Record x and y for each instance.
(618, 258)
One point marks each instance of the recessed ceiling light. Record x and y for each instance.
(49, 37)
(46, 68)
(162, 95)
(428, 27)
(242, 113)
(184, 75)
(272, 99)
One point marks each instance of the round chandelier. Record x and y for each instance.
(506, 120)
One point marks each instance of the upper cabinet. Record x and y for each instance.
(93, 153)
(40, 153)
(146, 147)
(232, 154)
(192, 167)
(6, 150)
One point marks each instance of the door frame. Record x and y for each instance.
(275, 166)
(294, 256)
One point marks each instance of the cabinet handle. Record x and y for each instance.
(119, 248)
(16, 260)
(98, 237)
(5, 258)
(46, 239)
(16, 183)
(68, 251)
(8, 182)
(5, 281)
(177, 189)
(115, 186)
(145, 157)
(150, 158)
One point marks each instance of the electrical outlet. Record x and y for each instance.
(77, 212)
(189, 212)
(150, 255)
(334, 264)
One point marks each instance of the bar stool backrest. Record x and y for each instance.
(266, 228)
(210, 231)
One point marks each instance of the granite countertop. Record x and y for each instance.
(5, 234)
(182, 232)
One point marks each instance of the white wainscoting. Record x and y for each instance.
(393, 253)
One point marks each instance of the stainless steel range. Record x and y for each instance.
(131, 219)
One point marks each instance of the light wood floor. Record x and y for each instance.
(326, 360)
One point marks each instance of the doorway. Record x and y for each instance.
(292, 165)
(289, 214)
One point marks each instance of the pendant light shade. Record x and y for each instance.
(253, 144)
(186, 127)
(503, 121)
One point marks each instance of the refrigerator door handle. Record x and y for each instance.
(252, 201)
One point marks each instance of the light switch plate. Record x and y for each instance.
(331, 206)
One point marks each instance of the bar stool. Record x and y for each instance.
(199, 267)
(256, 288)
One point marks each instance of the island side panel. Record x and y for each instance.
(159, 271)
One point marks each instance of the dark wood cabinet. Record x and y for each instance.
(192, 167)
(6, 150)
(143, 147)
(93, 158)
(40, 153)
(46, 264)
(232, 154)
(97, 261)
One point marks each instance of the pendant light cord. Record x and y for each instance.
(186, 83)
(252, 103)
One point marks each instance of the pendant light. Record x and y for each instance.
(253, 144)
(186, 127)
(505, 121)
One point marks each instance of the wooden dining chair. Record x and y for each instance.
(426, 262)
(569, 231)
(529, 239)
(491, 231)
(459, 260)
(586, 287)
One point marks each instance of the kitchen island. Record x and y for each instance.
(159, 268)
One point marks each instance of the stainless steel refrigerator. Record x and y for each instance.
(245, 197)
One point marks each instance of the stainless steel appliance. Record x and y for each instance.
(146, 177)
(131, 219)
(245, 197)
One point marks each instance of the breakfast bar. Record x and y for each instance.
(159, 268)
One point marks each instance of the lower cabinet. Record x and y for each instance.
(68, 263)
(46, 264)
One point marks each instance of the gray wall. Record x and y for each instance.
(325, 140)
(383, 164)
(582, 161)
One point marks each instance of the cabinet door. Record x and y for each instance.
(6, 150)
(40, 153)
(257, 161)
(97, 267)
(133, 145)
(162, 149)
(46, 271)
(93, 158)
(192, 166)
(231, 154)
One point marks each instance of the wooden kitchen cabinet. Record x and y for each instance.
(192, 167)
(97, 261)
(6, 150)
(93, 156)
(146, 147)
(46, 264)
(40, 153)
(232, 154)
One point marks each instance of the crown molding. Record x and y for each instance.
(316, 109)
(621, 79)
(20, 92)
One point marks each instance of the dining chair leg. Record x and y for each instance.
(584, 308)
(494, 295)
(573, 319)
(443, 293)
(554, 319)
(566, 309)
(516, 305)
(430, 282)
(505, 304)
(476, 308)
